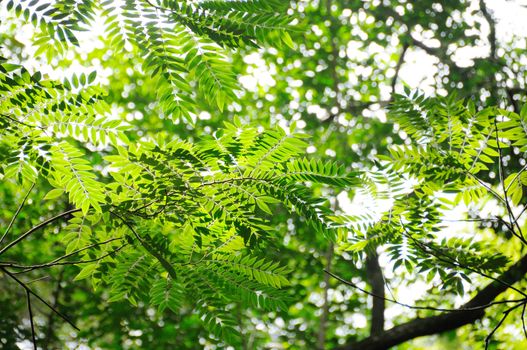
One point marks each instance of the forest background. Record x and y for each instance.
(259, 174)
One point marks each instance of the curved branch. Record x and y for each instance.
(151, 250)
(28, 290)
(58, 261)
(472, 311)
(16, 213)
(400, 62)
(36, 228)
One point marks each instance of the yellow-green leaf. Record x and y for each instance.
(54, 193)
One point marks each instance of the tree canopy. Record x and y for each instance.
(262, 174)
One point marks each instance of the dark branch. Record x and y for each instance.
(432, 51)
(51, 320)
(512, 219)
(18, 121)
(468, 313)
(415, 307)
(400, 62)
(376, 281)
(30, 310)
(28, 290)
(151, 250)
(59, 261)
(16, 213)
(36, 228)
(505, 314)
(441, 256)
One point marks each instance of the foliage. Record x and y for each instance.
(181, 43)
(182, 215)
(175, 220)
(155, 198)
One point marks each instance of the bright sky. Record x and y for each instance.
(419, 66)
(511, 17)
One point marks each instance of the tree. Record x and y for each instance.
(153, 178)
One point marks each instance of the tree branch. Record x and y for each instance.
(400, 62)
(36, 228)
(151, 250)
(439, 52)
(28, 290)
(417, 307)
(441, 256)
(58, 261)
(16, 213)
(30, 310)
(472, 310)
(376, 281)
(501, 175)
(505, 314)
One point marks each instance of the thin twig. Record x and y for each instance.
(516, 176)
(488, 188)
(16, 213)
(151, 250)
(472, 220)
(49, 334)
(19, 122)
(456, 263)
(76, 262)
(415, 307)
(321, 338)
(36, 228)
(520, 215)
(157, 7)
(512, 219)
(23, 285)
(28, 297)
(505, 314)
(38, 279)
(57, 260)
(400, 62)
(235, 179)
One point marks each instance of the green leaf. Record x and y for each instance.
(54, 193)
(86, 272)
